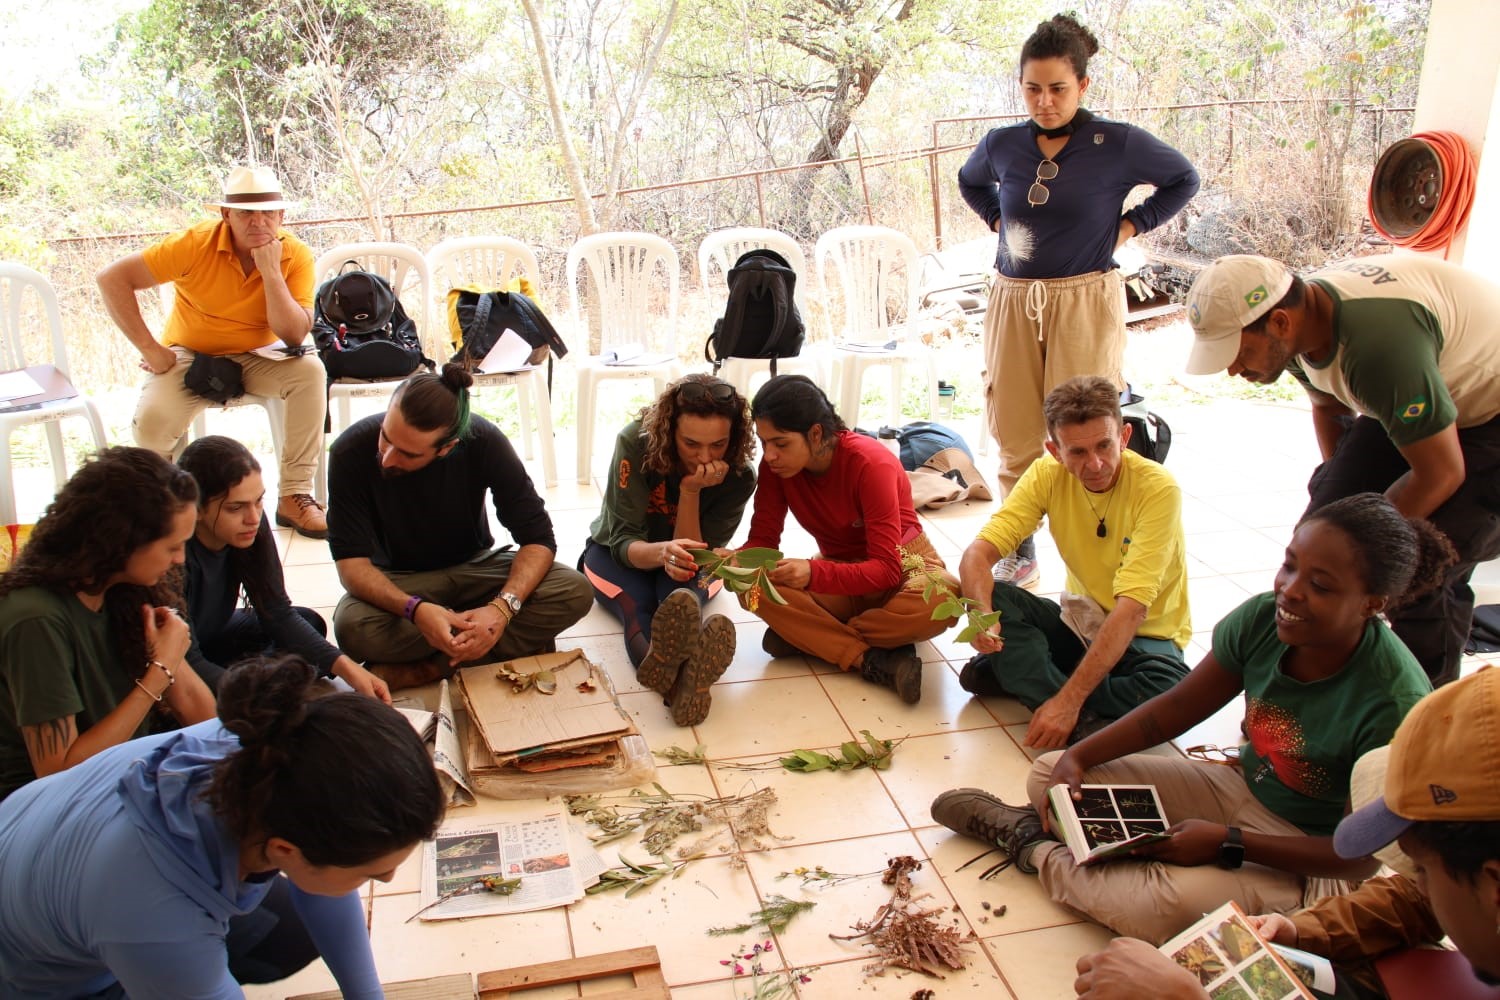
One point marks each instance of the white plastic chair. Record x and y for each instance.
(491, 262)
(629, 273)
(273, 405)
(405, 267)
(27, 299)
(717, 253)
(875, 269)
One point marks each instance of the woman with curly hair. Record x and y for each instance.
(91, 639)
(234, 851)
(681, 476)
(232, 548)
(1053, 188)
(1324, 682)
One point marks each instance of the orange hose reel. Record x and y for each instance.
(1422, 191)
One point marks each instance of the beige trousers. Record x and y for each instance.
(167, 408)
(1153, 900)
(1037, 335)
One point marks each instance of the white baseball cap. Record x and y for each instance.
(1227, 296)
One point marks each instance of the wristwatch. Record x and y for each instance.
(1232, 851)
(511, 601)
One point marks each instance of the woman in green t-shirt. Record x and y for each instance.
(679, 480)
(1324, 681)
(91, 639)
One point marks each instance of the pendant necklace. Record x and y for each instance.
(1101, 531)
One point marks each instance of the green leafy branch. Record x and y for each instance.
(774, 916)
(485, 883)
(634, 878)
(953, 605)
(851, 756)
(675, 756)
(747, 571)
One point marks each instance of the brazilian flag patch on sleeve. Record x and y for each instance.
(1414, 410)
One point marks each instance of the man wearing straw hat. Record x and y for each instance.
(242, 283)
(1401, 358)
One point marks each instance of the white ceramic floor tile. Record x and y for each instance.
(771, 715)
(925, 766)
(479, 944)
(944, 707)
(1040, 964)
(817, 807)
(1027, 905)
(314, 584)
(849, 979)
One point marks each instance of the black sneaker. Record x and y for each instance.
(979, 814)
(899, 669)
(978, 677)
(776, 646)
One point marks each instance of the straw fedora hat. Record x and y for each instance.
(253, 189)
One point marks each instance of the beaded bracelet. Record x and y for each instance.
(171, 679)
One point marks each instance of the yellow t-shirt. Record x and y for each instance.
(1143, 555)
(219, 309)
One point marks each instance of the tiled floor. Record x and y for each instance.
(1242, 466)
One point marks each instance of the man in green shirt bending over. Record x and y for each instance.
(1401, 356)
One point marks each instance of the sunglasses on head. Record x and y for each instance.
(697, 392)
(1038, 195)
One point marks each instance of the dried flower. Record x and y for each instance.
(953, 606)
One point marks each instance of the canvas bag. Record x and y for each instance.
(938, 464)
(361, 329)
(761, 318)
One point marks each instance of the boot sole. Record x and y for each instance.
(283, 521)
(691, 699)
(674, 631)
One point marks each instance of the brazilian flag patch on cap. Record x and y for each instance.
(1256, 296)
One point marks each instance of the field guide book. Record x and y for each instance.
(1107, 821)
(1235, 963)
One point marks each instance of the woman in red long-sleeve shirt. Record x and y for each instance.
(852, 603)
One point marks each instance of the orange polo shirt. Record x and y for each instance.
(219, 309)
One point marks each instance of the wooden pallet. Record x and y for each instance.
(643, 965)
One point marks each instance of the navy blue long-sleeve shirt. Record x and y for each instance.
(1074, 232)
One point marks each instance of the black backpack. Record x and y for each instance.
(761, 318)
(477, 318)
(361, 330)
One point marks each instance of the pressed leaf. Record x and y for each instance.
(758, 557)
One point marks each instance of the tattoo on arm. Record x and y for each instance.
(49, 740)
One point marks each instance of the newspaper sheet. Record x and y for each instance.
(538, 848)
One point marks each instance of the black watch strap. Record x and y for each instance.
(1232, 851)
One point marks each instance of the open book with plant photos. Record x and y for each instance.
(1234, 963)
(1106, 821)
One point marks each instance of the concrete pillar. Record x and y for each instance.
(1460, 92)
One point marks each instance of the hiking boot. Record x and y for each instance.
(398, 676)
(674, 633)
(302, 514)
(978, 677)
(1020, 571)
(979, 814)
(707, 662)
(1088, 724)
(899, 669)
(776, 646)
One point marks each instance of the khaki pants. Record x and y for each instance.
(167, 408)
(1153, 900)
(1037, 335)
(840, 627)
(370, 634)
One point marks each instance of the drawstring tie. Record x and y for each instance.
(1036, 304)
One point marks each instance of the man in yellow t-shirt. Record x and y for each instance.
(241, 283)
(1117, 638)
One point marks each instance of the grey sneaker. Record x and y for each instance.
(1018, 570)
(899, 669)
(979, 814)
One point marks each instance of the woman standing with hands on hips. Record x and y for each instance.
(1054, 188)
(679, 480)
